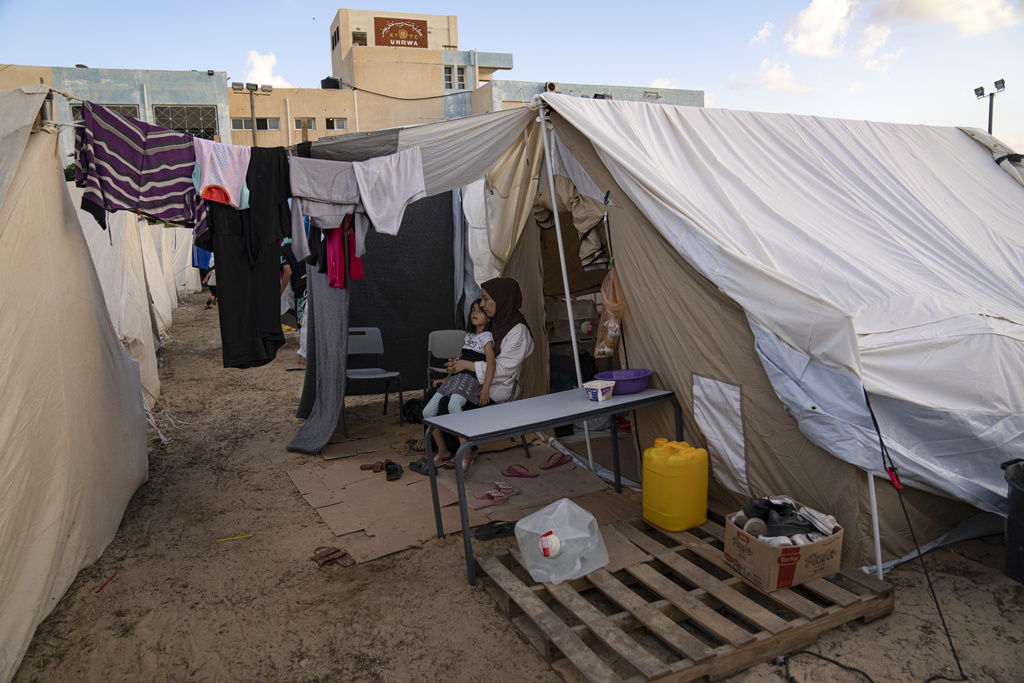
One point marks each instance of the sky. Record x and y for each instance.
(904, 61)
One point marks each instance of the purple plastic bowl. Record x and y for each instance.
(627, 381)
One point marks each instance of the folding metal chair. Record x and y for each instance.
(366, 341)
(441, 345)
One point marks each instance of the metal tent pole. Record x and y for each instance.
(546, 126)
(874, 525)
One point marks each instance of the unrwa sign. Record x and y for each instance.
(399, 32)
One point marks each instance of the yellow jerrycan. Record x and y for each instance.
(675, 485)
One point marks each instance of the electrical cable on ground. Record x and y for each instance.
(890, 467)
(783, 661)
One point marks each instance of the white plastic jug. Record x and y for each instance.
(560, 542)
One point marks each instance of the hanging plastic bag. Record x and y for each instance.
(609, 329)
(560, 542)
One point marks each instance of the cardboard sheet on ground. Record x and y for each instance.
(377, 517)
(566, 481)
(347, 448)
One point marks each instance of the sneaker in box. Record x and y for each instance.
(774, 568)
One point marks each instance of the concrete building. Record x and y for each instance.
(193, 102)
(387, 69)
(407, 68)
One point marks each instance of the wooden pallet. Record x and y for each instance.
(682, 616)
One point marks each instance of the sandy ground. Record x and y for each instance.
(183, 607)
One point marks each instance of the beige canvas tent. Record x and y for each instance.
(179, 246)
(72, 419)
(117, 254)
(158, 233)
(781, 272)
(159, 284)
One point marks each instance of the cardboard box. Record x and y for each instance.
(774, 568)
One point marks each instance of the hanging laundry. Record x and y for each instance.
(248, 293)
(269, 190)
(335, 253)
(389, 184)
(127, 164)
(221, 170)
(326, 192)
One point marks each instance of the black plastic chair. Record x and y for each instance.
(367, 341)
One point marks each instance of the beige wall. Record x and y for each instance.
(18, 76)
(288, 104)
(393, 71)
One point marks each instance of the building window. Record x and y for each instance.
(335, 39)
(462, 77)
(310, 124)
(197, 120)
(359, 38)
(261, 124)
(337, 124)
(447, 78)
(131, 110)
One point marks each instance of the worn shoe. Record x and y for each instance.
(826, 524)
(755, 527)
(782, 524)
(760, 507)
(777, 541)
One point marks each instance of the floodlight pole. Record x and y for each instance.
(1000, 86)
(991, 106)
(252, 117)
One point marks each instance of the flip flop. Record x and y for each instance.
(500, 487)
(324, 555)
(494, 529)
(558, 461)
(415, 445)
(490, 498)
(421, 466)
(520, 471)
(505, 488)
(393, 469)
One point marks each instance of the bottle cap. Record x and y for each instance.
(549, 544)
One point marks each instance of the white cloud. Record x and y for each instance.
(260, 69)
(819, 30)
(881, 64)
(855, 88)
(971, 17)
(762, 35)
(710, 98)
(875, 37)
(778, 77)
(663, 83)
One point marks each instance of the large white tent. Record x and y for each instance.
(792, 279)
(160, 285)
(117, 255)
(72, 418)
(179, 245)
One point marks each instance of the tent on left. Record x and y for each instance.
(72, 416)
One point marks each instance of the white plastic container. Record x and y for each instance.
(560, 542)
(599, 389)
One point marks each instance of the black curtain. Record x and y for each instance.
(407, 290)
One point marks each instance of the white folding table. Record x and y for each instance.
(516, 418)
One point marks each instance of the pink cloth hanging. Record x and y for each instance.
(336, 255)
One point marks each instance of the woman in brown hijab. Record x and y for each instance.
(513, 342)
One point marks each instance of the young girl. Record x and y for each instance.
(463, 386)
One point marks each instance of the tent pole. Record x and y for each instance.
(874, 525)
(546, 125)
